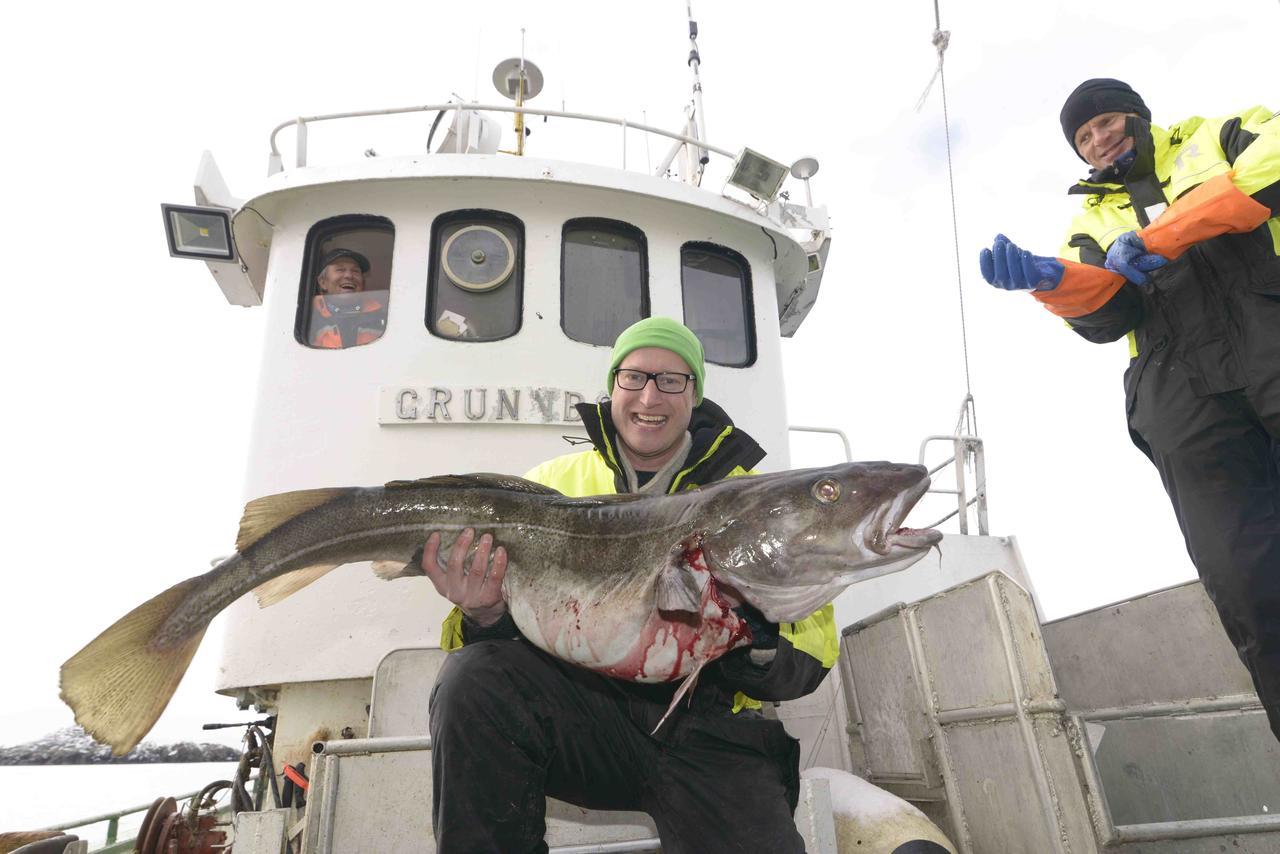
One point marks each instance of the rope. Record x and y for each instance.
(941, 41)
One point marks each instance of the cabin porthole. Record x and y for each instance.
(478, 258)
(475, 286)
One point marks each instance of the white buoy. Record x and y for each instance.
(870, 820)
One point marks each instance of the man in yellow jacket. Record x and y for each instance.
(511, 725)
(1177, 247)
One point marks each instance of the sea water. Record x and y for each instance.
(37, 796)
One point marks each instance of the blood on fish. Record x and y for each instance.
(715, 630)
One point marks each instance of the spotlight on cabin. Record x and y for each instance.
(758, 175)
(198, 232)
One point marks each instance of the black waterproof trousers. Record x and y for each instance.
(1204, 405)
(511, 725)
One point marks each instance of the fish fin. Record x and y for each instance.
(478, 480)
(118, 685)
(678, 588)
(685, 687)
(263, 515)
(390, 570)
(283, 586)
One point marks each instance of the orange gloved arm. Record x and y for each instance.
(1215, 207)
(1084, 289)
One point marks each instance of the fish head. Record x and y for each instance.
(789, 542)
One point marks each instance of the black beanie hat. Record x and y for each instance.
(1095, 97)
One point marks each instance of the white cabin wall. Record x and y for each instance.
(317, 416)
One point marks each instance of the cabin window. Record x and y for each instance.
(716, 283)
(346, 281)
(477, 276)
(604, 279)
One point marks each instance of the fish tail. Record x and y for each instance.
(120, 683)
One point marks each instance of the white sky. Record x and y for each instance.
(129, 380)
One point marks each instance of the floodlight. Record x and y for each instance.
(198, 232)
(758, 175)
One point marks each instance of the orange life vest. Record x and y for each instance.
(347, 320)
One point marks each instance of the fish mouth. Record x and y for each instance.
(888, 533)
(913, 538)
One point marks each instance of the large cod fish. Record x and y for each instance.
(626, 585)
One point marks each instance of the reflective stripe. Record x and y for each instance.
(608, 446)
(675, 484)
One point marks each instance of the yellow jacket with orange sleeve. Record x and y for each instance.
(1209, 185)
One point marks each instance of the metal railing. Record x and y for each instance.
(113, 844)
(966, 451)
(276, 164)
(1110, 833)
(848, 452)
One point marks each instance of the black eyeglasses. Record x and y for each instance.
(668, 382)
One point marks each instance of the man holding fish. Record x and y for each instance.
(590, 625)
(511, 724)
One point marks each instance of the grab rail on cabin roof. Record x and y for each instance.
(276, 163)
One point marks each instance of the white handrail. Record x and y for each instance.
(848, 452)
(302, 121)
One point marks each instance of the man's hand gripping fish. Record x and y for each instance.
(626, 585)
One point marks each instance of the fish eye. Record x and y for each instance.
(827, 491)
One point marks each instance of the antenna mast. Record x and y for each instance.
(520, 100)
(520, 80)
(699, 122)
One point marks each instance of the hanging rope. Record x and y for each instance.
(941, 41)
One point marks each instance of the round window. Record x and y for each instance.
(478, 258)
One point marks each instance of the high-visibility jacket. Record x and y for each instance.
(1202, 390)
(347, 320)
(806, 649)
(1208, 187)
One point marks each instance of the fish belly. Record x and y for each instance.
(626, 636)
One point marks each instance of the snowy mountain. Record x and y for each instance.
(73, 746)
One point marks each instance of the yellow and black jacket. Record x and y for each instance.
(805, 650)
(1206, 194)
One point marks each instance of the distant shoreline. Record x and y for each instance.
(73, 746)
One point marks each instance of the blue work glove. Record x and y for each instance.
(1130, 258)
(1006, 266)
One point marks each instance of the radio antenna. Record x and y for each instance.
(520, 80)
(699, 119)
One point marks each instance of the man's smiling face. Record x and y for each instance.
(1102, 140)
(651, 424)
(342, 276)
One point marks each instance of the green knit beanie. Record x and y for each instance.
(669, 335)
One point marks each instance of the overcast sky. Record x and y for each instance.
(129, 380)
